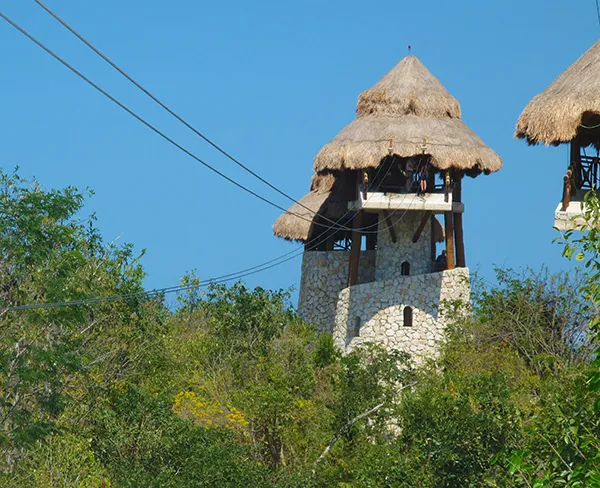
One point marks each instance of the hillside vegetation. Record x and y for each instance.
(231, 389)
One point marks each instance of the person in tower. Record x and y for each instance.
(441, 263)
(423, 175)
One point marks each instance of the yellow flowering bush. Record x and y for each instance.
(189, 405)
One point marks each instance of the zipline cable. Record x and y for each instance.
(175, 289)
(150, 126)
(190, 126)
(174, 114)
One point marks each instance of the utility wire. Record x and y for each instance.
(175, 289)
(188, 125)
(335, 225)
(598, 11)
(149, 125)
(156, 292)
(172, 112)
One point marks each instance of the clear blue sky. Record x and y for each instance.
(273, 82)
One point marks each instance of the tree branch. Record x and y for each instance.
(348, 425)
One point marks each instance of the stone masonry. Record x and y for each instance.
(324, 275)
(374, 312)
(391, 255)
(375, 309)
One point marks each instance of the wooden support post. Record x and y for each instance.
(575, 162)
(419, 231)
(433, 244)
(390, 225)
(459, 239)
(458, 225)
(355, 251)
(449, 224)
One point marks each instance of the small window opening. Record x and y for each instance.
(355, 327)
(408, 317)
(405, 268)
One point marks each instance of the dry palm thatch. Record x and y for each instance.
(408, 109)
(297, 223)
(556, 115)
(366, 141)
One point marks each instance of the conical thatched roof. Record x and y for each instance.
(405, 108)
(556, 115)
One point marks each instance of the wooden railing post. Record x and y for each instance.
(567, 188)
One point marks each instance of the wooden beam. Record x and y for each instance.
(449, 223)
(355, 251)
(390, 226)
(459, 239)
(419, 230)
(433, 245)
(575, 160)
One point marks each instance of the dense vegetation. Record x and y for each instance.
(231, 389)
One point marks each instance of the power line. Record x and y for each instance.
(174, 289)
(172, 112)
(598, 11)
(191, 127)
(148, 124)
(240, 274)
(177, 145)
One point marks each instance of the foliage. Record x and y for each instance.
(231, 388)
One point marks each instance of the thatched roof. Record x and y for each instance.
(367, 140)
(291, 226)
(556, 115)
(406, 108)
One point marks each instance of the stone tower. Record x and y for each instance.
(377, 261)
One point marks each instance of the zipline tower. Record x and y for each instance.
(371, 269)
(568, 112)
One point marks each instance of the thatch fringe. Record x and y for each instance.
(555, 116)
(293, 228)
(367, 140)
(322, 182)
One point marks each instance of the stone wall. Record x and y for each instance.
(374, 312)
(324, 275)
(391, 255)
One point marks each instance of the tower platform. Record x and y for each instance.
(434, 202)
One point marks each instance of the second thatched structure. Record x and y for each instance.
(568, 112)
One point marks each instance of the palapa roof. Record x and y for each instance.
(405, 109)
(556, 115)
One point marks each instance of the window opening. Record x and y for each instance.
(408, 317)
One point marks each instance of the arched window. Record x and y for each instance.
(405, 268)
(408, 316)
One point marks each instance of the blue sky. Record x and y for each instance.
(272, 82)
